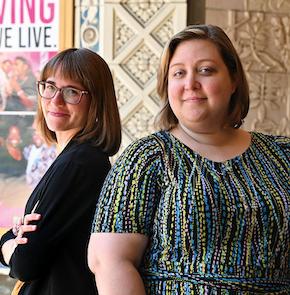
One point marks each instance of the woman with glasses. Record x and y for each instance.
(77, 111)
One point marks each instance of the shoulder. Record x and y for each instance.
(84, 155)
(149, 147)
(273, 143)
(279, 140)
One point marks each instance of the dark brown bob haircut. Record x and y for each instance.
(239, 103)
(103, 126)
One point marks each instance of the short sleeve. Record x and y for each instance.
(284, 143)
(131, 190)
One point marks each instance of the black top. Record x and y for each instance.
(54, 261)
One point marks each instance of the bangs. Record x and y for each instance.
(68, 67)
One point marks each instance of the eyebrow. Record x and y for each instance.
(199, 61)
(71, 86)
(176, 64)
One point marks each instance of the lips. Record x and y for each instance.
(57, 113)
(194, 98)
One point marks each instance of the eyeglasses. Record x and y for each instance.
(70, 95)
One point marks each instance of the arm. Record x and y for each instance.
(68, 196)
(9, 245)
(25, 90)
(114, 259)
(123, 221)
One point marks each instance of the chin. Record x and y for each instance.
(53, 128)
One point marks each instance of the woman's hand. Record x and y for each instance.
(21, 226)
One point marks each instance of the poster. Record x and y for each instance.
(29, 36)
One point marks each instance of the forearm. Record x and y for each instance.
(25, 99)
(119, 279)
(8, 249)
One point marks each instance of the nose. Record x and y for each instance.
(58, 98)
(192, 82)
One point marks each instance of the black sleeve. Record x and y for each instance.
(68, 195)
(7, 236)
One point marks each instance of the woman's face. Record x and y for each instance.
(63, 118)
(199, 84)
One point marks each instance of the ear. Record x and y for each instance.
(234, 86)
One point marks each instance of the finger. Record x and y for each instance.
(31, 217)
(20, 240)
(26, 228)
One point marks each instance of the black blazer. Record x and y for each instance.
(54, 261)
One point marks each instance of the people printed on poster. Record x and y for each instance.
(13, 142)
(24, 152)
(17, 84)
(24, 157)
(14, 135)
(5, 74)
(39, 157)
(29, 37)
(22, 88)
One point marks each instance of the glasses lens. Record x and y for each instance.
(40, 87)
(71, 95)
(46, 90)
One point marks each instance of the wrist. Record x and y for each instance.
(8, 249)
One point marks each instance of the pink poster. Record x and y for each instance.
(29, 36)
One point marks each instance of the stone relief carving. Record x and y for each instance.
(142, 11)
(136, 32)
(280, 27)
(140, 123)
(262, 39)
(268, 100)
(252, 42)
(123, 35)
(164, 32)
(155, 97)
(268, 5)
(122, 92)
(141, 65)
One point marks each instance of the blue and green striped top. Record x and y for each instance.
(214, 228)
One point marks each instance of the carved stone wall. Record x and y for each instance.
(130, 35)
(260, 31)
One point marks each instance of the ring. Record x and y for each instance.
(15, 229)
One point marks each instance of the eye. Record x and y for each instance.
(178, 73)
(71, 92)
(49, 87)
(205, 70)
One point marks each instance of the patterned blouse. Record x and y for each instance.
(213, 228)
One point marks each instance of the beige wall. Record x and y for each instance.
(260, 30)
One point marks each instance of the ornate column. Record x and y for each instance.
(87, 23)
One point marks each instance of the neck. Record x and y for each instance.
(188, 133)
(219, 145)
(62, 141)
(207, 137)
